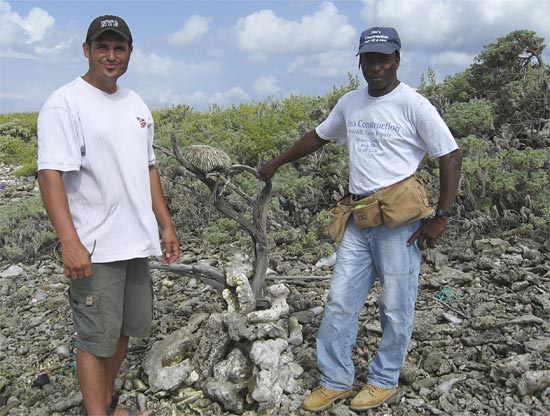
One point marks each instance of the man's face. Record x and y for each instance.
(108, 58)
(380, 72)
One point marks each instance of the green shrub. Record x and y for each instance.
(223, 230)
(17, 128)
(508, 180)
(314, 237)
(472, 117)
(521, 173)
(15, 151)
(19, 122)
(25, 231)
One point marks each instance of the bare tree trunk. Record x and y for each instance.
(256, 229)
(261, 251)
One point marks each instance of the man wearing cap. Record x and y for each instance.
(388, 128)
(103, 195)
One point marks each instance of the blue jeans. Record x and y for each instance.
(363, 256)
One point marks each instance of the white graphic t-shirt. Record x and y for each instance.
(387, 136)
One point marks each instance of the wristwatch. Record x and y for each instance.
(442, 212)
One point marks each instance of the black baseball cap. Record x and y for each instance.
(379, 39)
(108, 23)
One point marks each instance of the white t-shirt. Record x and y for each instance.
(103, 144)
(387, 136)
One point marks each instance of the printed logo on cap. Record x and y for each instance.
(375, 36)
(109, 23)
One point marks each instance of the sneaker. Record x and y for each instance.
(321, 398)
(371, 396)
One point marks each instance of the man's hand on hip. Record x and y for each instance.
(429, 232)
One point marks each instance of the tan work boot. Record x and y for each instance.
(321, 398)
(371, 396)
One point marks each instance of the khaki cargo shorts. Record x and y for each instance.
(117, 300)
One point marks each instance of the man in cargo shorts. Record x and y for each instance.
(388, 128)
(103, 195)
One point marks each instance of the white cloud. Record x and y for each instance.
(510, 15)
(230, 96)
(165, 66)
(264, 31)
(165, 98)
(419, 22)
(266, 85)
(456, 25)
(37, 23)
(459, 59)
(494, 11)
(193, 29)
(201, 99)
(152, 64)
(32, 37)
(332, 64)
(30, 29)
(307, 53)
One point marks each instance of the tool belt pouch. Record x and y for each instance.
(404, 203)
(366, 212)
(338, 218)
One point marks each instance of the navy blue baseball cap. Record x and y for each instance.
(379, 39)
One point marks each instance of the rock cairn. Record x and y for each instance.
(239, 358)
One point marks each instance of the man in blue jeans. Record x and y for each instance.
(388, 129)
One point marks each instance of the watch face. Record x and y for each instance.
(442, 213)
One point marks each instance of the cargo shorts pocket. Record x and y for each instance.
(86, 315)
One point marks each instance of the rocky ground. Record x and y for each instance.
(481, 341)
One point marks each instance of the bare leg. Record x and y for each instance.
(97, 376)
(91, 372)
(113, 366)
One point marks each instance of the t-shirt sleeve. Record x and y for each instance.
(334, 126)
(433, 130)
(60, 147)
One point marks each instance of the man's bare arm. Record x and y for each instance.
(449, 177)
(307, 144)
(169, 238)
(76, 259)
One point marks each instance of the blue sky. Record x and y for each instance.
(227, 52)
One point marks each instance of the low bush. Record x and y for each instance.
(25, 231)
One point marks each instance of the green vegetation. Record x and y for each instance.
(18, 142)
(24, 230)
(498, 109)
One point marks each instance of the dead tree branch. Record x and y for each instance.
(217, 175)
(209, 275)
